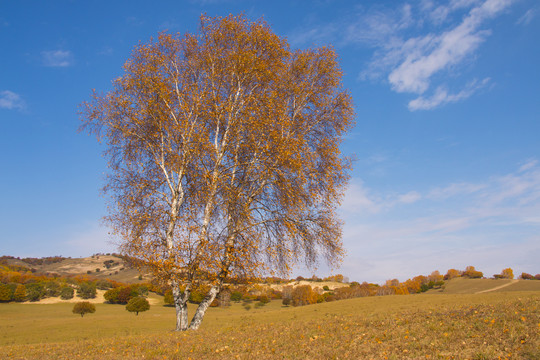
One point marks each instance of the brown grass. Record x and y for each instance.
(481, 326)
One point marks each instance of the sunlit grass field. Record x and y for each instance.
(470, 286)
(501, 325)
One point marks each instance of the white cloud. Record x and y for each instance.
(10, 100)
(441, 96)
(441, 12)
(415, 46)
(409, 198)
(421, 62)
(57, 58)
(528, 165)
(490, 224)
(358, 200)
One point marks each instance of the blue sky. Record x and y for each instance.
(447, 141)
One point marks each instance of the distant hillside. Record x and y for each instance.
(111, 267)
(474, 286)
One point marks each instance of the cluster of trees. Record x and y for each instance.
(332, 278)
(308, 294)
(135, 305)
(123, 294)
(305, 295)
(472, 273)
(35, 261)
(469, 272)
(526, 276)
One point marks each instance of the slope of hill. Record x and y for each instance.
(475, 286)
(100, 266)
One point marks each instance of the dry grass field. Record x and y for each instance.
(493, 325)
(471, 286)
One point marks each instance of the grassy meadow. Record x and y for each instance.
(494, 325)
(469, 286)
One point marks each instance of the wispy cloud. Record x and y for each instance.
(361, 200)
(453, 190)
(528, 16)
(89, 239)
(529, 164)
(439, 13)
(441, 96)
(416, 46)
(466, 223)
(409, 198)
(57, 58)
(10, 100)
(433, 53)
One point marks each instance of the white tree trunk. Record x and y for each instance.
(203, 306)
(180, 304)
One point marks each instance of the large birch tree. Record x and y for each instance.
(223, 148)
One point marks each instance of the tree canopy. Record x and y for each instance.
(224, 157)
(138, 304)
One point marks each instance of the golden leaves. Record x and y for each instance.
(224, 151)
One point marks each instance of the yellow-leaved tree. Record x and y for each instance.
(224, 157)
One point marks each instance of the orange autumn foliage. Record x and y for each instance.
(224, 157)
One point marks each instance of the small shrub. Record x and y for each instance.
(329, 297)
(126, 293)
(34, 291)
(103, 284)
(5, 293)
(112, 295)
(52, 289)
(303, 295)
(168, 298)
(142, 290)
(196, 297)
(19, 294)
(259, 304)
(84, 307)
(236, 296)
(286, 301)
(326, 288)
(87, 290)
(138, 304)
(66, 293)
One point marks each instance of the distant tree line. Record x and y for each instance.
(35, 261)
